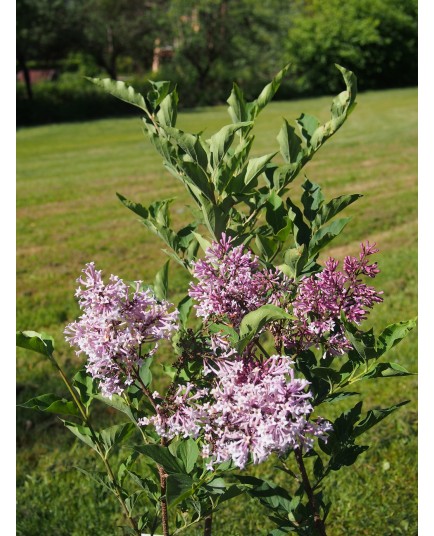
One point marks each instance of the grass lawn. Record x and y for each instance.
(68, 214)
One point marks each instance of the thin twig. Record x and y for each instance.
(100, 449)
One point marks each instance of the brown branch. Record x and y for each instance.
(319, 523)
(164, 515)
(208, 526)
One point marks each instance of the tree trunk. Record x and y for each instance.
(23, 67)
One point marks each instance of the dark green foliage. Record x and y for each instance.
(377, 38)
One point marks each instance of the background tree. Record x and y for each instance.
(47, 30)
(216, 40)
(375, 38)
(123, 28)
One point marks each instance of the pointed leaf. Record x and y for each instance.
(161, 282)
(162, 456)
(188, 453)
(374, 416)
(114, 435)
(168, 112)
(254, 321)
(52, 404)
(83, 433)
(332, 208)
(121, 91)
(394, 334)
(37, 342)
(268, 92)
(326, 234)
(289, 143)
(179, 487)
(387, 370)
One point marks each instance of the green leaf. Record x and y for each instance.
(295, 260)
(121, 91)
(325, 373)
(159, 91)
(146, 484)
(255, 167)
(374, 416)
(114, 435)
(344, 424)
(241, 111)
(387, 370)
(237, 105)
(86, 387)
(217, 486)
(162, 456)
(37, 342)
(188, 453)
(52, 404)
(267, 93)
(214, 218)
(204, 243)
(267, 247)
(312, 133)
(168, 112)
(307, 125)
(191, 144)
(336, 397)
(97, 476)
(161, 282)
(254, 321)
(184, 308)
(363, 342)
(145, 371)
(221, 141)
(83, 433)
(326, 234)
(195, 176)
(268, 494)
(394, 334)
(289, 143)
(301, 230)
(332, 208)
(119, 403)
(178, 488)
(312, 199)
(275, 212)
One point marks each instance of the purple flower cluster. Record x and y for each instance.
(323, 297)
(231, 283)
(250, 410)
(118, 328)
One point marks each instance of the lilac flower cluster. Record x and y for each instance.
(117, 330)
(250, 410)
(323, 297)
(231, 283)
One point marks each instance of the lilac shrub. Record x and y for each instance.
(276, 337)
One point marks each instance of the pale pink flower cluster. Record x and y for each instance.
(231, 283)
(250, 411)
(119, 327)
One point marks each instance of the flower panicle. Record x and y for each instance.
(119, 327)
